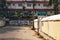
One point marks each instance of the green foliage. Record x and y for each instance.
(2, 3)
(50, 2)
(2, 7)
(55, 2)
(19, 14)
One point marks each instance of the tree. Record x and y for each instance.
(55, 2)
(2, 5)
(3, 8)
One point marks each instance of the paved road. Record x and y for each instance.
(17, 33)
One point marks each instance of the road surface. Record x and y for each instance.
(18, 33)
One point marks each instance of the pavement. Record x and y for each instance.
(18, 33)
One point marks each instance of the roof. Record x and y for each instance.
(54, 17)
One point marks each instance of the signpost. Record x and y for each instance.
(40, 15)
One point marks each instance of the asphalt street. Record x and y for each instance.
(18, 33)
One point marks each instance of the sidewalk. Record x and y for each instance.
(18, 33)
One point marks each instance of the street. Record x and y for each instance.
(18, 33)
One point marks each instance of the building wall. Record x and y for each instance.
(52, 29)
(36, 25)
(30, 6)
(45, 27)
(58, 8)
(40, 5)
(27, 0)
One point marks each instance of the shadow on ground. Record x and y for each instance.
(9, 29)
(13, 39)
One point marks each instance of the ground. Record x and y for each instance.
(18, 33)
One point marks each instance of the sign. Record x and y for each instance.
(42, 13)
(39, 13)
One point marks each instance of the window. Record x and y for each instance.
(38, 4)
(8, 4)
(50, 11)
(58, 1)
(44, 4)
(19, 4)
(13, 4)
(29, 5)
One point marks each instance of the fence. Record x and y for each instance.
(19, 22)
(51, 26)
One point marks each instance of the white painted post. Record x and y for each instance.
(39, 23)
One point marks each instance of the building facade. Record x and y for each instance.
(58, 6)
(27, 6)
